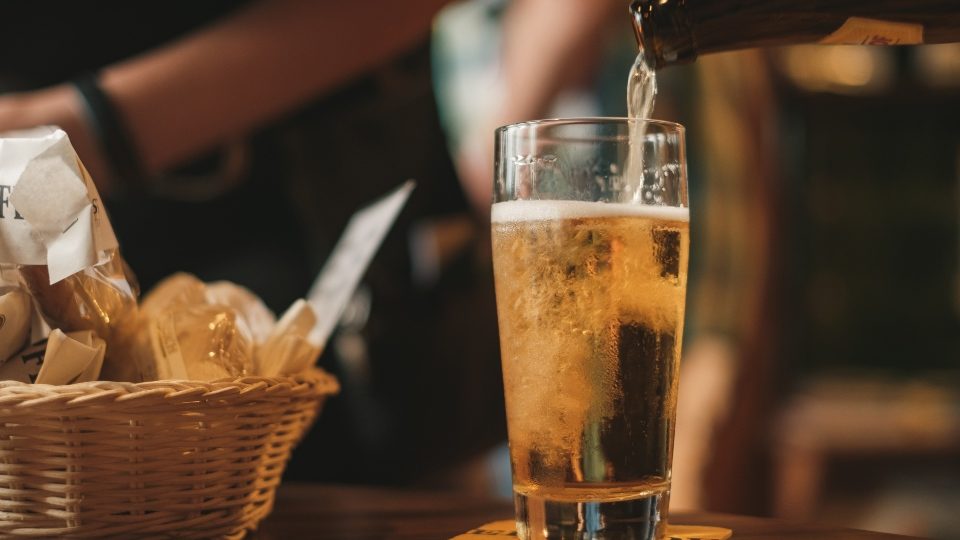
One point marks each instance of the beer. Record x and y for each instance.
(590, 300)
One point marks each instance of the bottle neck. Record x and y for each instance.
(664, 31)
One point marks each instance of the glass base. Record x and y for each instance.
(642, 518)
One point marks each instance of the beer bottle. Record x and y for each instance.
(676, 31)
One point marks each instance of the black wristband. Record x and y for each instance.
(115, 141)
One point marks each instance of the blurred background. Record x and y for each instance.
(821, 373)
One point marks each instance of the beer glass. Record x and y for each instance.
(590, 245)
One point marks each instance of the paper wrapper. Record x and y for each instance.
(54, 229)
(59, 359)
(191, 330)
(50, 211)
(201, 343)
(101, 298)
(182, 332)
(288, 349)
(180, 289)
(16, 311)
(260, 320)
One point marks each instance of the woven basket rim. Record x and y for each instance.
(320, 381)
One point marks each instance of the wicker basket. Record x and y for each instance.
(167, 459)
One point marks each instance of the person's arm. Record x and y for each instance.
(234, 75)
(547, 44)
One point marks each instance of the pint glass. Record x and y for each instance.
(590, 245)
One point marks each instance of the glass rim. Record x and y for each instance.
(666, 125)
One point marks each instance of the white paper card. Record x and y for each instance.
(348, 262)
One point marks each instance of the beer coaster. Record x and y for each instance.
(697, 532)
(503, 529)
(508, 529)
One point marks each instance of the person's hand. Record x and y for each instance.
(60, 106)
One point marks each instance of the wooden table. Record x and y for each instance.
(327, 512)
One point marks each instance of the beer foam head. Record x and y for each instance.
(508, 211)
